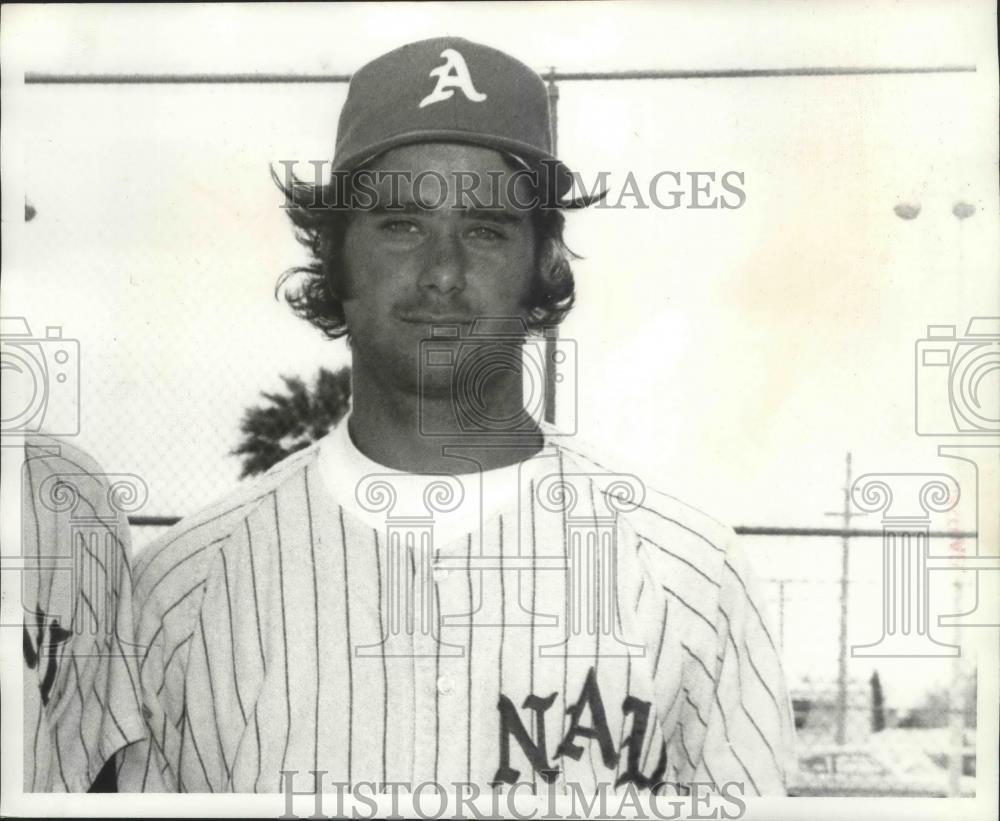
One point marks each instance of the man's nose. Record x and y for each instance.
(445, 264)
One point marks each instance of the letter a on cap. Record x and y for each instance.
(453, 74)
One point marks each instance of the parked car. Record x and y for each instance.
(863, 771)
(967, 780)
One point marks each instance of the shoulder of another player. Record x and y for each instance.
(181, 559)
(63, 473)
(56, 455)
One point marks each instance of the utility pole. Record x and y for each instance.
(552, 334)
(956, 703)
(846, 515)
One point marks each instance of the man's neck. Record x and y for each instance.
(390, 427)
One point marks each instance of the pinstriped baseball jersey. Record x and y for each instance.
(582, 633)
(80, 670)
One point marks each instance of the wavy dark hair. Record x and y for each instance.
(314, 290)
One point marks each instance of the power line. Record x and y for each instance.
(262, 78)
(744, 530)
(850, 532)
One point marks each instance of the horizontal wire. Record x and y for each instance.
(746, 530)
(45, 78)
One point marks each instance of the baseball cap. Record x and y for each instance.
(448, 89)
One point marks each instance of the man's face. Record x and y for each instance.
(412, 267)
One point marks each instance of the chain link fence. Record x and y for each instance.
(896, 723)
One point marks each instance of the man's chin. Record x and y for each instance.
(423, 384)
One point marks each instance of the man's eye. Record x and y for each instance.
(485, 233)
(399, 227)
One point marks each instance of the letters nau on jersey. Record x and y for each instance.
(590, 698)
(453, 74)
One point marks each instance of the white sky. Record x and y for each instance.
(729, 357)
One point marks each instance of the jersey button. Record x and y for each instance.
(444, 685)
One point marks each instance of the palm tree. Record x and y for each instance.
(292, 420)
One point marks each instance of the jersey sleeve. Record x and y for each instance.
(187, 598)
(145, 765)
(80, 656)
(168, 606)
(739, 727)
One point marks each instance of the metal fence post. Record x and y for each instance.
(552, 334)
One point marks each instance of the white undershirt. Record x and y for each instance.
(459, 504)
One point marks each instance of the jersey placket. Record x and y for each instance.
(441, 660)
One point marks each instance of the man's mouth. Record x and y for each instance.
(432, 317)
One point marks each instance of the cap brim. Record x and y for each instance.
(527, 154)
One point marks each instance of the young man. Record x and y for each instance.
(443, 589)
